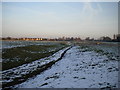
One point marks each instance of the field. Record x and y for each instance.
(26, 59)
(18, 53)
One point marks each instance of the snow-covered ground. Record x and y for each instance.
(11, 44)
(17, 72)
(77, 69)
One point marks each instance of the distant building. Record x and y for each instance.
(105, 39)
(118, 37)
(114, 36)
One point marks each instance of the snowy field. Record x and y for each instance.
(20, 72)
(77, 69)
(84, 65)
(27, 51)
(24, 61)
(11, 44)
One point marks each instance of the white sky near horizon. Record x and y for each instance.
(58, 19)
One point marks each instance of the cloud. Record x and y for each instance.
(90, 15)
(90, 11)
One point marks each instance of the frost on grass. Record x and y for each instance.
(78, 69)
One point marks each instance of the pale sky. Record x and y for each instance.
(58, 19)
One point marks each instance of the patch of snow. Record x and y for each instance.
(77, 70)
(27, 68)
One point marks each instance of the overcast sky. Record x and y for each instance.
(57, 19)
